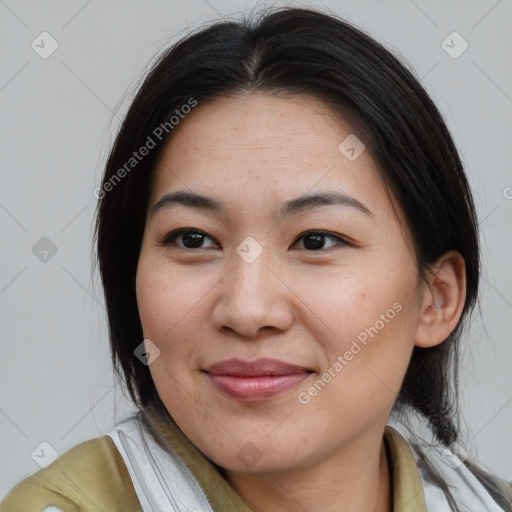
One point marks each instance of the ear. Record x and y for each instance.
(443, 298)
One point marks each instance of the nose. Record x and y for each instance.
(253, 298)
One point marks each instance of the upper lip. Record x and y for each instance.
(256, 368)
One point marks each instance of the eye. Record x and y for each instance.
(314, 240)
(194, 238)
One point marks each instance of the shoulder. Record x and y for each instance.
(91, 476)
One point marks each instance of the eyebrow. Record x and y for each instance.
(293, 206)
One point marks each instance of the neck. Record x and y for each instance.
(355, 479)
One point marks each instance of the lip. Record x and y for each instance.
(252, 381)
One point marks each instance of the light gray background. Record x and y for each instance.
(58, 117)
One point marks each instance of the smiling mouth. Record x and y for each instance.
(252, 381)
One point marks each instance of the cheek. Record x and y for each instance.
(167, 302)
(367, 333)
(173, 307)
(165, 297)
(351, 303)
(153, 300)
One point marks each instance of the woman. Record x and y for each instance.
(289, 251)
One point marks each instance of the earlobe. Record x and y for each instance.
(443, 300)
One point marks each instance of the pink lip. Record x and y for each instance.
(252, 381)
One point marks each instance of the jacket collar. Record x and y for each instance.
(407, 488)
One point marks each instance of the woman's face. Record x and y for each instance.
(337, 312)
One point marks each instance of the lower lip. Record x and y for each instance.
(254, 389)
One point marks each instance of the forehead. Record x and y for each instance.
(266, 123)
(255, 145)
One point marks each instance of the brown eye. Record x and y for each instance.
(191, 238)
(315, 240)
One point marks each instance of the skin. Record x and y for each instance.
(202, 305)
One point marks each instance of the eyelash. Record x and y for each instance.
(169, 239)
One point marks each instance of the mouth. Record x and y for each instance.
(253, 381)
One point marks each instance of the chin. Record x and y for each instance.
(253, 457)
